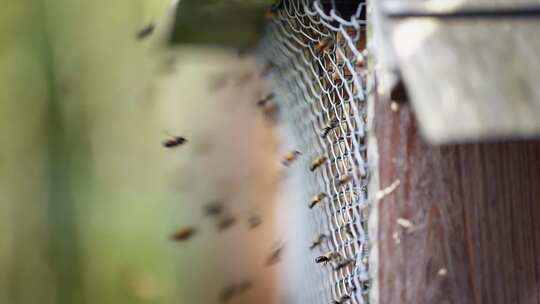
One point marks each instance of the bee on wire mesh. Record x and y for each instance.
(314, 54)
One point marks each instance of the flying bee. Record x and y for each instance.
(344, 179)
(349, 230)
(270, 111)
(267, 69)
(145, 31)
(316, 163)
(344, 264)
(228, 293)
(327, 257)
(254, 221)
(244, 286)
(329, 127)
(290, 157)
(213, 209)
(175, 141)
(323, 45)
(342, 300)
(183, 234)
(317, 199)
(226, 223)
(318, 241)
(275, 256)
(263, 101)
(269, 14)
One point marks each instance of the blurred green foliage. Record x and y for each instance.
(83, 217)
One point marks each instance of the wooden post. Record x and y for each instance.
(464, 224)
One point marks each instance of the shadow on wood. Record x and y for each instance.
(475, 215)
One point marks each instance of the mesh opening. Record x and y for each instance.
(315, 55)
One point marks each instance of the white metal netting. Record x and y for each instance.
(315, 52)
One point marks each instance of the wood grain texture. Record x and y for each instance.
(478, 72)
(475, 210)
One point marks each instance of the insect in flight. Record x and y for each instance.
(244, 286)
(254, 221)
(263, 101)
(275, 256)
(228, 293)
(318, 241)
(290, 157)
(145, 31)
(175, 141)
(213, 208)
(183, 234)
(317, 199)
(327, 257)
(317, 163)
(226, 223)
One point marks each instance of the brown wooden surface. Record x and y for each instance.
(475, 210)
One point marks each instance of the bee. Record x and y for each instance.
(244, 286)
(323, 45)
(213, 209)
(342, 300)
(226, 223)
(290, 157)
(175, 141)
(349, 230)
(344, 179)
(270, 111)
(269, 14)
(329, 127)
(275, 256)
(145, 31)
(264, 101)
(183, 234)
(318, 241)
(254, 221)
(316, 163)
(267, 69)
(327, 257)
(228, 293)
(317, 199)
(344, 264)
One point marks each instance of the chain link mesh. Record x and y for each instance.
(315, 55)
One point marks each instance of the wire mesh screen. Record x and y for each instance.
(315, 57)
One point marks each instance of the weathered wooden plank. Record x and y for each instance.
(469, 78)
(475, 211)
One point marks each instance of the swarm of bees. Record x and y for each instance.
(224, 220)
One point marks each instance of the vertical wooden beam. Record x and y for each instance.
(475, 215)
